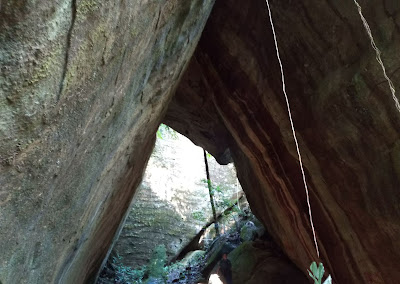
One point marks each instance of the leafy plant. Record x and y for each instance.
(317, 272)
(125, 274)
(199, 216)
(155, 268)
(222, 198)
(157, 262)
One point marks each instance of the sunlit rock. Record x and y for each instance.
(172, 204)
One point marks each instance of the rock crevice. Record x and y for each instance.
(67, 47)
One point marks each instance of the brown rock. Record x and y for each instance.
(347, 126)
(84, 85)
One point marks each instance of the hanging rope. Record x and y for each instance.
(293, 130)
(378, 56)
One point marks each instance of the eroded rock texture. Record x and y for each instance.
(172, 203)
(83, 87)
(260, 262)
(347, 125)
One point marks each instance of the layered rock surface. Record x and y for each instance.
(83, 87)
(172, 203)
(347, 125)
(260, 262)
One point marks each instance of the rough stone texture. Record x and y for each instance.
(83, 87)
(248, 232)
(85, 83)
(172, 203)
(260, 262)
(347, 125)
(205, 125)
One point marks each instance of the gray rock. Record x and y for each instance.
(248, 232)
(154, 280)
(223, 244)
(83, 87)
(192, 257)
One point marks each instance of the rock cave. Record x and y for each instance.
(85, 84)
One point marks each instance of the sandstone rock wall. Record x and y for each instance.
(172, 203)
(83, 87)
(347, 125)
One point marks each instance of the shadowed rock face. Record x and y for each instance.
(260, 262)
(83, 87)
(347, 125)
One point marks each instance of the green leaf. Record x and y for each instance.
(316, 273)
(313, 277)
(321, 272)
(313, 267)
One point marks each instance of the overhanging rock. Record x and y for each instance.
(83, 88)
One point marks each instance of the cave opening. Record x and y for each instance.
(170, 222)
(172, 208)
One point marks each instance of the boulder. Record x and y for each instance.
(188, 269)
(193, 257)
(259, 262)
(248, 232)
(221, 245)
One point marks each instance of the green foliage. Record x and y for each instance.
(185, 268)
(125, 274)
(217, 189)
(317, 273)
(155, 268)
(177, 266)
(199, 216)
(222, 198)
(214, 189)
(157, 262)
(240, 211)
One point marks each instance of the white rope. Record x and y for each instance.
(293, 130)
(378, 56)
